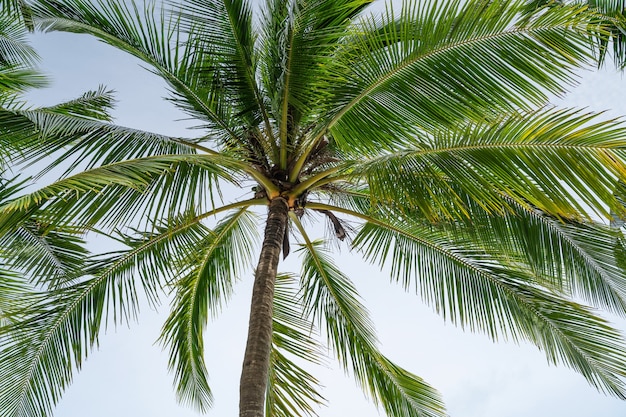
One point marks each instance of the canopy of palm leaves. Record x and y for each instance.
(426, 124)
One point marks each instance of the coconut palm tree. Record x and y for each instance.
(426, 127)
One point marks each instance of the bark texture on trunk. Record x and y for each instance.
(255, 372)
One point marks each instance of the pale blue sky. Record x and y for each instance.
(127, 375)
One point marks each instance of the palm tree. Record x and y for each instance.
(427, 126)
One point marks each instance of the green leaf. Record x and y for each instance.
(150, 35)
(207, 272)
(41, 351)
(494, 294)
(533, 158)
(439, 63)
(120, 191)
(292, 391)
(330, 294)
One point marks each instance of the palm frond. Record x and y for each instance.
(37, 251)
(299, 43)
(41, 350)
(17, 57)
(15, 79)
(45, 344)
(149, 35)
(580, 260)
(439, 63)
(14, 295)
(330, 294)
(613, 40)
(92, 105)
(81, 141)
(120, 191)
(38, 132)
(226, 31)
(292, 391)
(152, 254)
(498, 296)
(206, 284)
(9, 6)
(44, 255)
(14, 48)
(534, 158)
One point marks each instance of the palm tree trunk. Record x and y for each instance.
(254, 375)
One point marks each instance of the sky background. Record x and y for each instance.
(127, 375)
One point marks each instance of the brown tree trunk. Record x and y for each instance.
(255, 372)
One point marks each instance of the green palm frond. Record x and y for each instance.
(49, 341)
(580, 260)
(154, 38)
(81, 141)
(497, 295)
(533, 158)
(292, 391)
(38, 252)
(45, 255)
(330, 295)
(13, 44)
(577, 259)
(9, 6)
(120, 191)
(39, 132)
(613, 40)
(439, 63)
(152, 254)
(299, 40)
(91, 105)
(14, 295)
(16, 79)
(225, 29)
(208, 268)
(17, 57)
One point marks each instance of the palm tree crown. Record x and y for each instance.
(427, 124)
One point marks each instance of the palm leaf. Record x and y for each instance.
(49, 256)
(330, 294)
(207, 283)
(292, 391)
(533, 158)
(150, 36)
(41, 350)
(37, 251)
(120, 191)
(299, 40)
(487, 293)
(614, 21)
(14, 295)
(39, 132)
(226, 28)
(13, 34)
(47, 342)
(439, 63)
(581, 260)
(17, 57)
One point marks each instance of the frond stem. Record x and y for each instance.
(313, 181)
